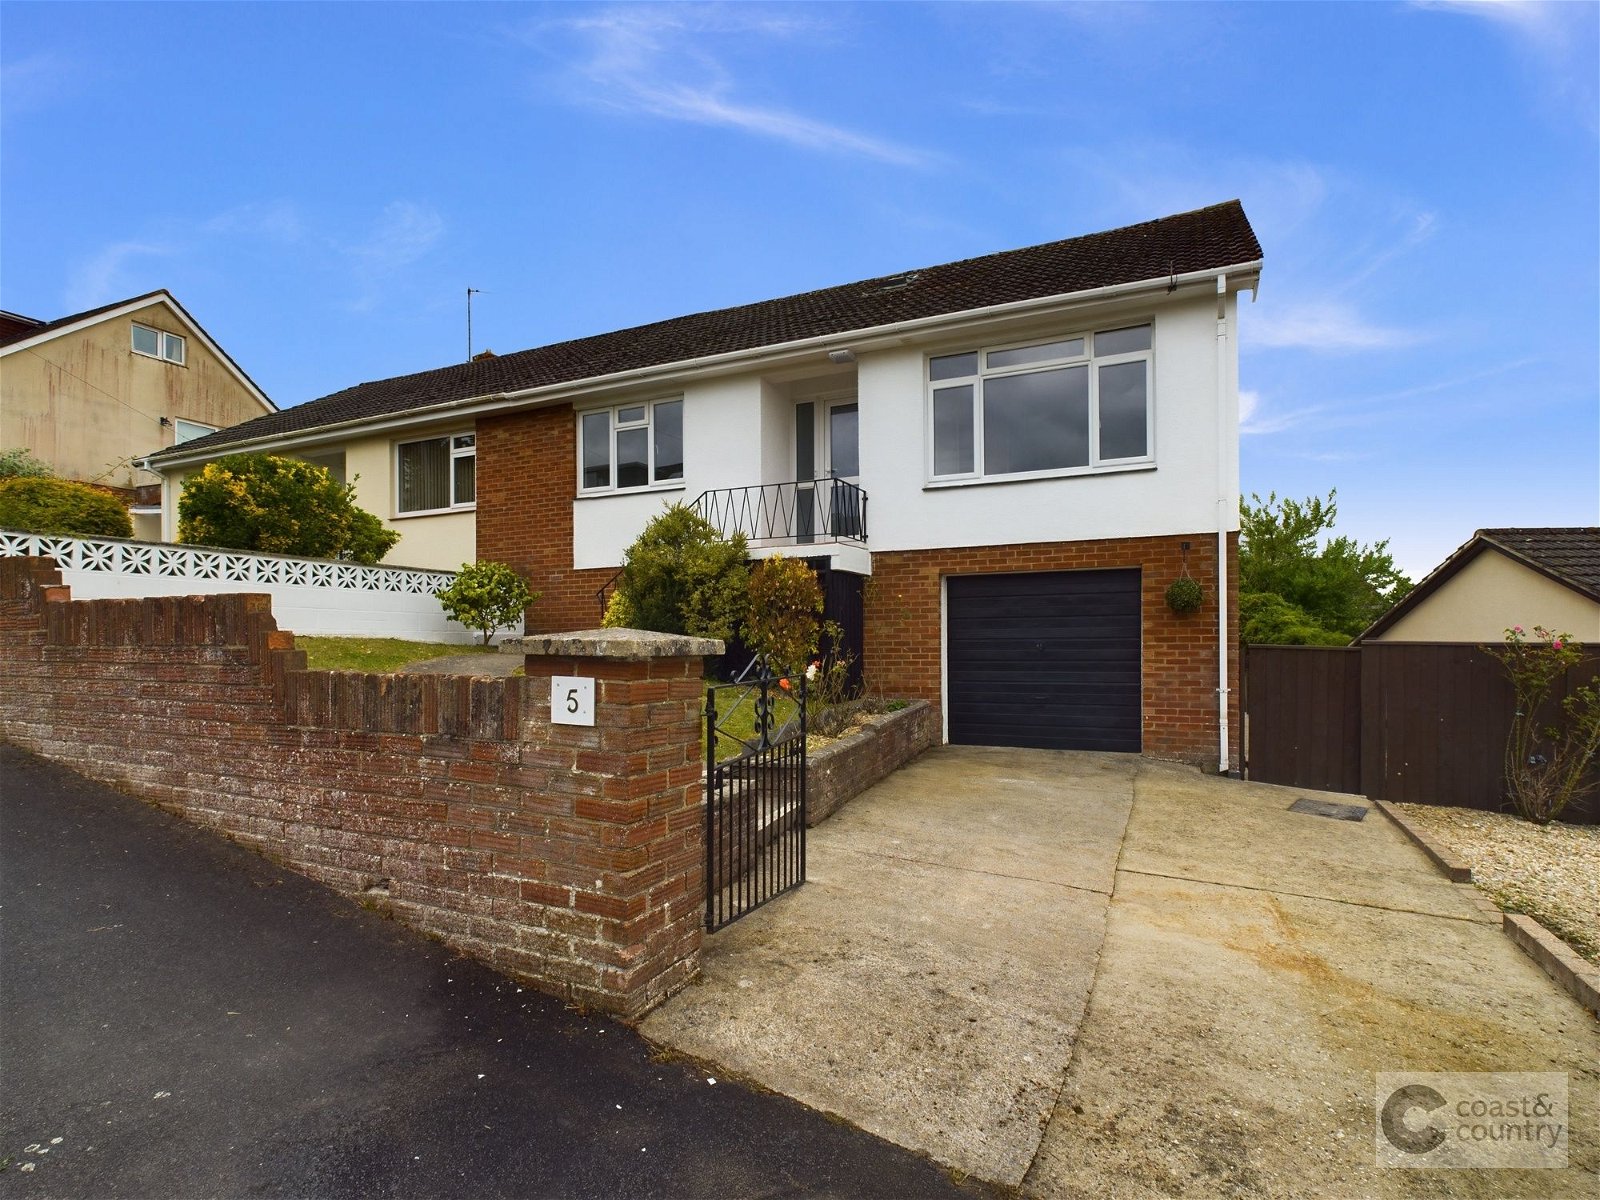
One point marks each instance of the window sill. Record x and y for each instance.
(435, 512)
(939, 485)
(675, 485)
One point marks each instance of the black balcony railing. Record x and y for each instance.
(789, 514)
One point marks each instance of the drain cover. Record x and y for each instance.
(1324, 808)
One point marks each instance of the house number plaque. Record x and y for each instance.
(571, 700)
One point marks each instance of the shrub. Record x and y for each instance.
(279, 505)
(21, 463)
(681, 576)
(33, 504)
(486, 596)
(1547, 766)
(783, 621)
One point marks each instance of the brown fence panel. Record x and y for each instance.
(1303, 709)
(1435, 719)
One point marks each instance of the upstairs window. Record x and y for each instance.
(187, 431)
(156, 343)
(1076, 403)
(630, 446)
(436, 474)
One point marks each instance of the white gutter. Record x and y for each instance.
(869, 338)
(1223, 500)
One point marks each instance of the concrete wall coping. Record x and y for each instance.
(612, 643)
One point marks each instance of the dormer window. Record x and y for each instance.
(157, 343)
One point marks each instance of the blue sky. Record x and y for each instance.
(319, 184)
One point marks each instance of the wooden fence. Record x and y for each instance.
(1421, 723)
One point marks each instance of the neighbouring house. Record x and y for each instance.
(1000, 463)
(93, 393)
(1501, 578)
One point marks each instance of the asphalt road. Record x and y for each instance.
(180, 1017)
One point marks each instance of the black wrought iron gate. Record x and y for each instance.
(755, 794)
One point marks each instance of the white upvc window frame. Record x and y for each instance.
(1088, 359)
(614, 426)
(462, 444)
(178, 424)
(170, 347)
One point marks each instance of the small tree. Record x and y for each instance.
(681, 576)
(32, 504)
(19, 462)
(279, 505)
(784, 621)
(1548, 766)
(486, 596)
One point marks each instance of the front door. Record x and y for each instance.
(844, 470)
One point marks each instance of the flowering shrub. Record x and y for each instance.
(1548, 766)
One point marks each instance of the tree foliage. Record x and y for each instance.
(1294, 590)
(279, 505)
(784, 620)
(681, 576)
(35, 504)
(20, 462)
(486, 596)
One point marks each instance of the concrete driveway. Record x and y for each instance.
(1095, 975)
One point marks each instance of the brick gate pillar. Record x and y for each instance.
(637, 777)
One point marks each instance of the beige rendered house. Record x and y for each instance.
(93, 393)
(1502, 578)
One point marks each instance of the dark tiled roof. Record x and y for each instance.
(1569, 554)
(6, 338)
(15, 326)
(1205, 239)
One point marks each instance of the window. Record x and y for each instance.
(1071, 404)
(154, 343)
(630, 446)
(437, 475)
(187, 431)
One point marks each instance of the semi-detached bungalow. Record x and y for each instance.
(1004, 461)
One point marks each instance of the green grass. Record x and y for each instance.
(736, 717)
(375, 654)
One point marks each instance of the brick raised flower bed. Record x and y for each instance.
(845, 768)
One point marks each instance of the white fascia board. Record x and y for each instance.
(168, 301)
(472, 406)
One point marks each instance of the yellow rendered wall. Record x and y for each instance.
(88, 405)
(1489, 595)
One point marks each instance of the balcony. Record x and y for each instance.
(807, 512)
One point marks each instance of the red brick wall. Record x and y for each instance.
(527, 464)
(572, 857)
(1180, 653)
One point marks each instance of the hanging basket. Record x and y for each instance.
(1184, 595)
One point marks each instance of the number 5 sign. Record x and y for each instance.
(571, 700)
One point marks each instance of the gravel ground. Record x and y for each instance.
(1550, 872)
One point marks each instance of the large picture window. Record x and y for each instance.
(1071, 404)
(436, 474)
(630, 446)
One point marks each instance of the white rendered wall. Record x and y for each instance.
(309, 596)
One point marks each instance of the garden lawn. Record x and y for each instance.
(380, 655)
(1549, 872)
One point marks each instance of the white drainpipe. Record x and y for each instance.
(1223, 501)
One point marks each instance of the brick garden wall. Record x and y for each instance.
(571, 857)
(1180, 653)
(526, 465)
(844, 769)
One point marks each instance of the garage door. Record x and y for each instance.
(1048, 659)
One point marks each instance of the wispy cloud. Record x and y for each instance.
(1556, 38)
(662, 62)
(369, 258)
(103, 276)
(1325, 326)
(32, 83)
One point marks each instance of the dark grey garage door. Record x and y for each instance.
(1048, 659)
